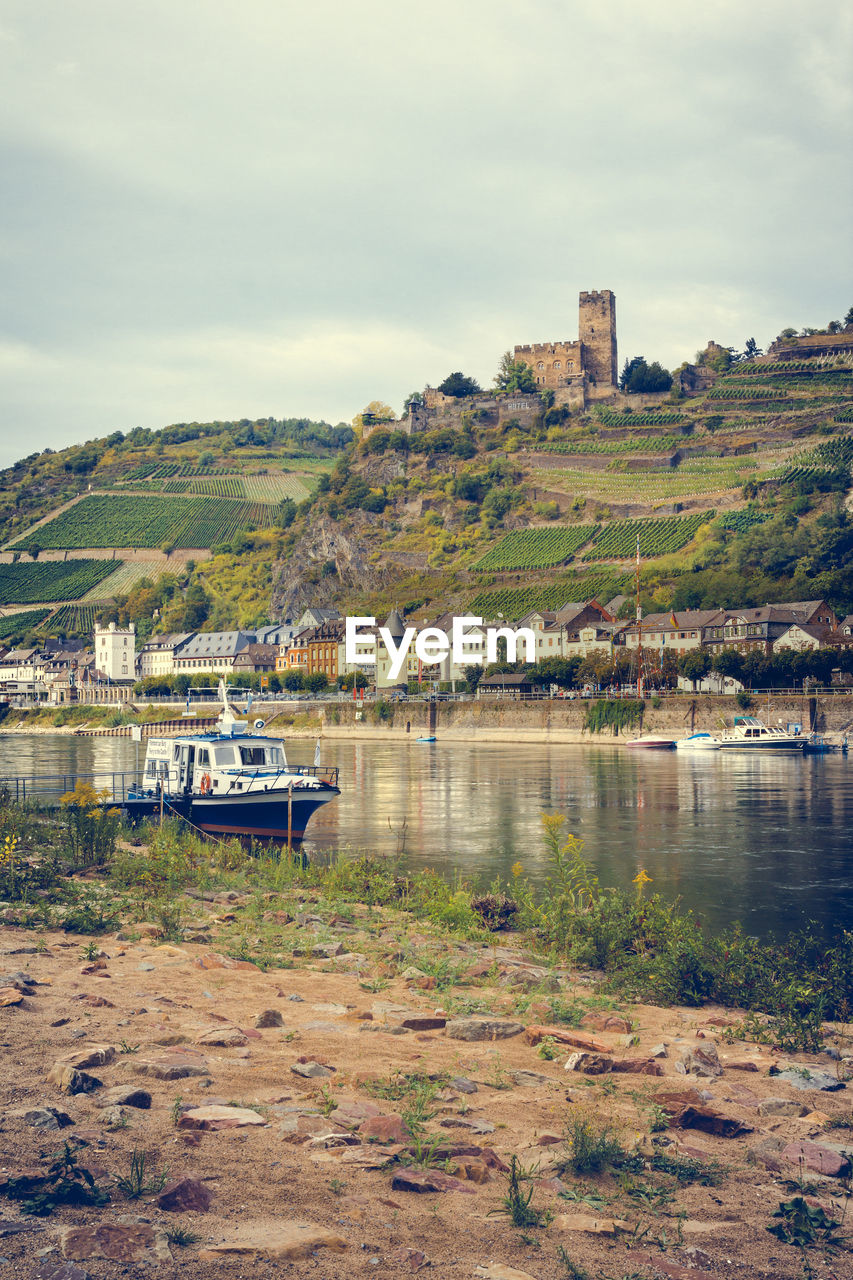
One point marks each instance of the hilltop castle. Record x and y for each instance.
(592, 358)
(576, 372)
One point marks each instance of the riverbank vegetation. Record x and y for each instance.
(79, 872)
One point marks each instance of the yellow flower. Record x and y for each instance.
(641, 880)
(516, 870)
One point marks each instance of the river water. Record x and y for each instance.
(764, 840)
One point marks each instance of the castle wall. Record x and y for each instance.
(554, 364)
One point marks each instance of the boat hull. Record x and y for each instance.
(262, 817)
(791, 747)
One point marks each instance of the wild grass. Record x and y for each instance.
(647, 946)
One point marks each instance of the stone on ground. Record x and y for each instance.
(278, 1240)
(483, 1029)
(219, 1117)
(137, 1243)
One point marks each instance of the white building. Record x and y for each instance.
(212, 651)
(157, 655)
(115, 652)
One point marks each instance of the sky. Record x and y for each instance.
(216, 210)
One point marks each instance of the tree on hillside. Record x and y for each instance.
(637, 376)
(376, 411)
(848, 319)
(751, 349)
(459, 384)
(196, 607)
(514, 375)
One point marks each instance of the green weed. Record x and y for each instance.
(182, 1237)
(518, 1203)
(64, 1183)
(136, 1184)
(804, 1225)
(592, 1146)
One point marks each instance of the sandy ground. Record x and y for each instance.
(302, 1164)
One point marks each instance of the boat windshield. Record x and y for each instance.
(257, 757)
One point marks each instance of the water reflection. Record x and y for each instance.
(760, 839)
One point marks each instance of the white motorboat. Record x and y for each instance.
(698, 742)
(750, 734)
(652, 742)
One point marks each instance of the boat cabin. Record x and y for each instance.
(211, 765)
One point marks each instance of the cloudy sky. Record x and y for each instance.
(214, 209)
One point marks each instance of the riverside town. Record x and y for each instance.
(426, 688)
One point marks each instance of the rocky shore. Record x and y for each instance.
(361, 1110)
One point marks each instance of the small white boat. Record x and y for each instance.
(698, 742)
(652, 742)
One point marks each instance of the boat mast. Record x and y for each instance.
(639, 628)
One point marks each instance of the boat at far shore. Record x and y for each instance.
(652, 742)
(748, 734)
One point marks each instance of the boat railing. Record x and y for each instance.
(48, 789)
(325, 772)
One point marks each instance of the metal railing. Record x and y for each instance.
(48, 788)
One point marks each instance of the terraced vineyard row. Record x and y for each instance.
(635, 444)
(791, 366)
(513, 603)
(638, 418)
(125, 576)
(116, 520)
(72, 618)
(618, 540)
(742, 392)
(216, 486)
(14, 624)
(740, 521)
(539, 548)
(47, 580)
(700, 478)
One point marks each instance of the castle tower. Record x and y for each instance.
(597, 332)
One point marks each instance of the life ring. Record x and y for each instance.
(205, 784)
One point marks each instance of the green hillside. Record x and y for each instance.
(738, 494)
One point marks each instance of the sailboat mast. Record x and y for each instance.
(639, 628)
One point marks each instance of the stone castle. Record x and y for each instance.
(575, 371)
(591, 359)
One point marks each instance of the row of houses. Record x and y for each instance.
(66, 671)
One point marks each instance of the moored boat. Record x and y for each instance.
(751, 734)
(652, 742)
(698, 742)
(231, 782)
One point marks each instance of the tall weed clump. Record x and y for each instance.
(653, 948)
(90, 828)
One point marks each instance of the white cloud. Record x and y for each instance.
(212, 210)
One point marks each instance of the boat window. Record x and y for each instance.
(252, 755)
(275, 757)
(176, 753)
(224, 756)
(203, 757)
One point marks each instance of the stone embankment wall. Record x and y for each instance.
(561, 720)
